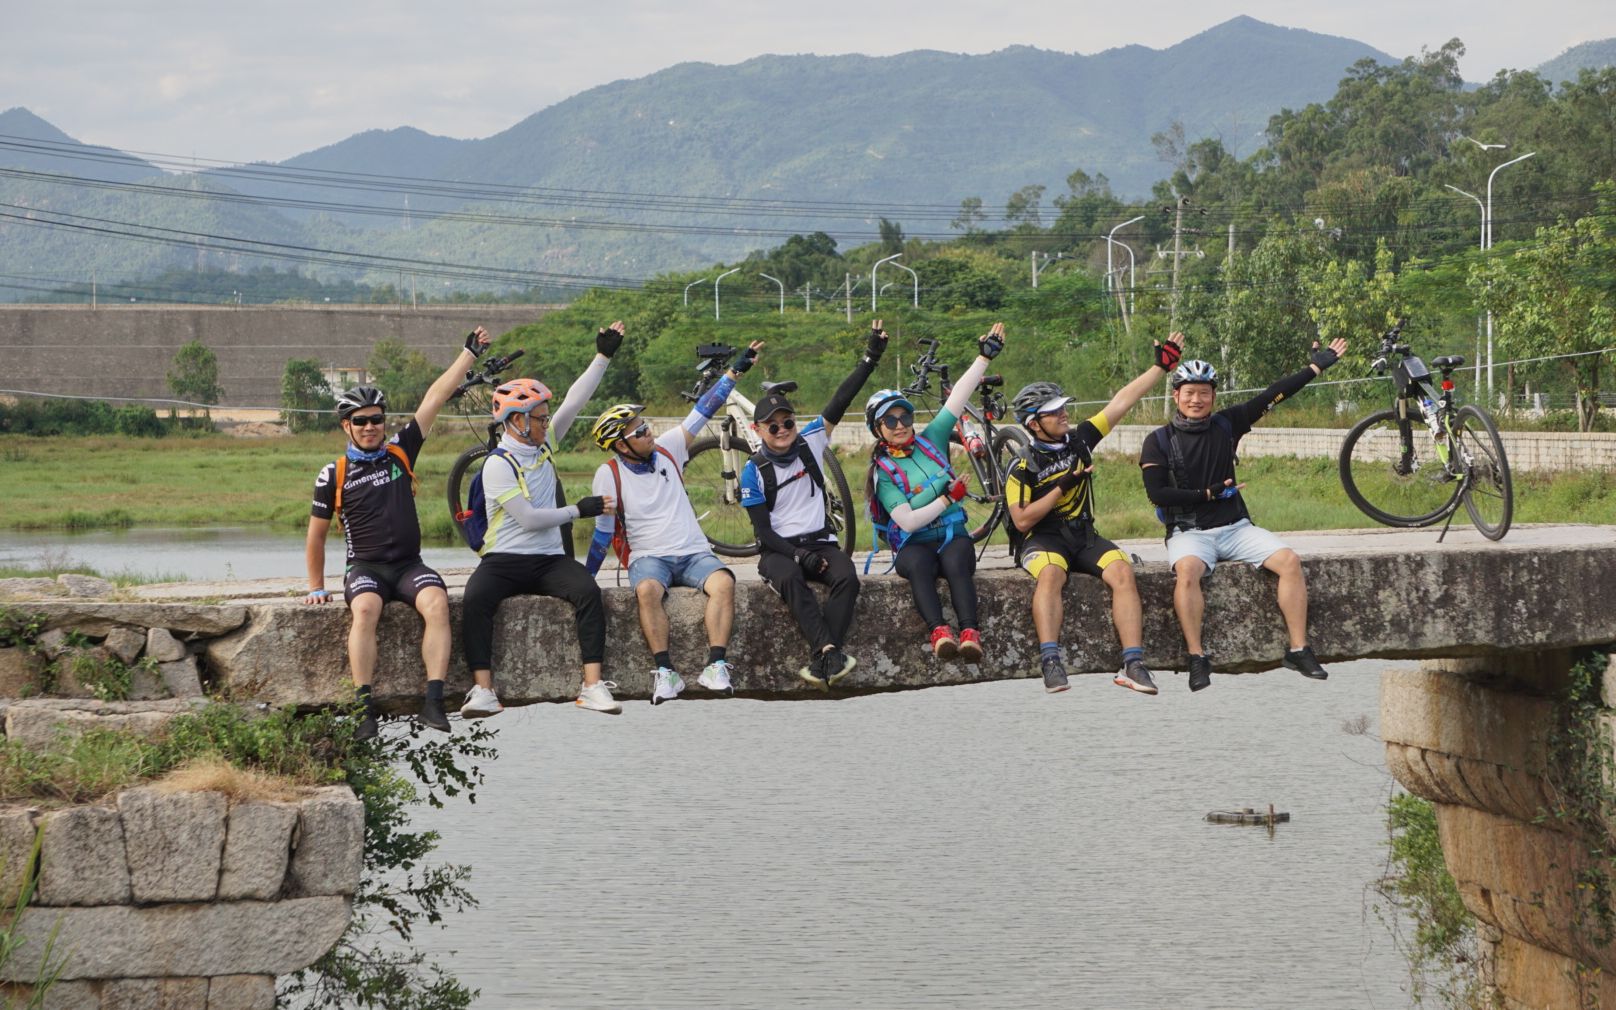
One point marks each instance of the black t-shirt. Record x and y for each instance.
(1034, 475)
(378, 503)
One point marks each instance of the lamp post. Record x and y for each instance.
(1110, 272)
(720, 277)
(873, 287)
(782, 289)
(1489, 237)
(689, 286)
(916, 278)
(1484, 147)
(1483, 246)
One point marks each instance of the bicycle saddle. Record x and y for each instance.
(1448, 361)
(783, 388)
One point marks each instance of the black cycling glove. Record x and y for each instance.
(992, 344)
(1167, 356)
(1324, 357)
(608, 339)
(876, 347)
(475, 346)
(589, 508)
(745, 361)
(811, 563)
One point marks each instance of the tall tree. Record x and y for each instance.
(195, 376)
(305, 389)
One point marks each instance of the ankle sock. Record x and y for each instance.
(434, 690)
(663, 660)
(1131, 654)
(1049, 649)
(715, 653)
(363, 693)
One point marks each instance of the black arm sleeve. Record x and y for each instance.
(837, 406)
(1161, 492)
(1254, 408)
(764, 529)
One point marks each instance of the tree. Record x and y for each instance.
(195, 376)
(1022, 207)
(970, 215)
(303, 388)
(891, 237)
(403, 374)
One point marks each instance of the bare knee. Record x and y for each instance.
(1190, 571)
(720, 586)
(433, 606)
(366, 610)
(1119, 576)
(649, 592)
(1284, 562)
(1052, 579)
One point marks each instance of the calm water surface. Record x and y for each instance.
(983, 846)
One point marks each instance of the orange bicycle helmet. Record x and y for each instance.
(519, 396)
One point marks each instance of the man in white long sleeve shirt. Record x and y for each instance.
(523, 550)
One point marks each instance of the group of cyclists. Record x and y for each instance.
(643, 515)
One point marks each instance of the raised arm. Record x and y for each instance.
(438, 393)
(836, 407)
(712, 400)
(1166, 358)
(1290, 385)
(607, 341)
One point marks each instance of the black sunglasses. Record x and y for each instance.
(367, 420)
(776, 427)
(898, 419)
(637, 432)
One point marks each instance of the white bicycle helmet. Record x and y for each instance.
(1195, 371)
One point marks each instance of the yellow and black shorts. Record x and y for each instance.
(1079, 550)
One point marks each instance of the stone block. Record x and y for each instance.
(328, 853)
(197, 939)
(241, 992)
(82, 860)
(162, 646)
(43, 722)
(125, 643)
(16, 851)
(146, 684)
(29, 589)
(189, 618)
(52, 642)
(86, 586)
(1531, 978)
(175, 842)
(77, 669)
(19, 673)
(180, 678)
(62, 995)
(154, 994)
(257, 846)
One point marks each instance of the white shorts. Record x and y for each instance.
(1239, 541)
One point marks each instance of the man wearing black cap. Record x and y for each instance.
(783, 491)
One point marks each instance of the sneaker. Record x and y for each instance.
(715, 678)
(597, 697)
(1054, 675)
(432, 715)
(1305, 663)
(943, 643)
(813, 674)
(481, 702)
(367, 728)
(1200, 673)
(1135, 676)
(667, 686)
(837, 664)
(970, 646)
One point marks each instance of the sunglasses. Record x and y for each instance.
(368, 420)
(898, 419)
(643, 429)
(776, 427)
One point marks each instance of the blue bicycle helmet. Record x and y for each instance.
(879, 403)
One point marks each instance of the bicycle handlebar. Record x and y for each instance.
(486, 376)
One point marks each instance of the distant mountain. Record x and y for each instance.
(1590, 55)
(28, 142)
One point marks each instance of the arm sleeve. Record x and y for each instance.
(578, 395)
(764, 528)
(1159, 489)
(911, 519)
(960, 397)
(836, 406)
(1250, 412)
(605, 523)
(709, 403)
(532, 518)
(598, 546)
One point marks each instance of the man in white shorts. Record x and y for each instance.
(664, 540)
(1189, 476)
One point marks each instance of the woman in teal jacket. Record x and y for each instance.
(911, 479)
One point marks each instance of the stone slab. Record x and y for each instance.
(329, 852)
(62, 995)
(40, 723)
(189, 618)
(30, 588)
(19, 673)
(82, 860)
(17, 830)
(256, 849)
(175, 841)
(154, 994)
(200, 939)
(85, 586)
(241, 992)
(1531, 978)
(181, 678)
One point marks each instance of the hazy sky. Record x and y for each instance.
(279, 78)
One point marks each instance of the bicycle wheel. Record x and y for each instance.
(465, 468)
(839, 504)
(717, 501)
(1489, 495)
(1392, 484)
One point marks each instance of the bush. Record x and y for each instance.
(79, 417)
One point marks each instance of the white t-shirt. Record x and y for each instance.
(799, 504)
(661, 521)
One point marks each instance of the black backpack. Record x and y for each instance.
(810, 468)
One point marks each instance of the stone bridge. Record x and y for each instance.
(1495, 626)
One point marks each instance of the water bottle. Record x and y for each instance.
(974, 444)
(1428, 409)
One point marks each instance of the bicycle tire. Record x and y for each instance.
(839, 504)
(1411, 493)
(1486, 472)
(724, 522)
(467, 466)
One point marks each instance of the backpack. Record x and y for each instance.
(620, 533)
(810, 469)
(394, 450)
(474, 520)
(883, 528)
(1171, 517)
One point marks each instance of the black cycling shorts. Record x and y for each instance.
(401, 580)
(1070, 550)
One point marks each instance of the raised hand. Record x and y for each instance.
(608, 339)
(1167, 355)
(747, 359)
(877, 344)
(992, 342)
(477, 341)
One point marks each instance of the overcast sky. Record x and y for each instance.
(279, 78)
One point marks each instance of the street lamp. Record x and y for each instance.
(916, 278)
(782, 290)
(689, 286)
(720, 277)
(873, 287)
(1489, 237)
(1036, 269)
(1110, 240)
(1484, 147)
(1483, 246)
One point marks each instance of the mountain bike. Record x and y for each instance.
(712, 477)
(1414, 463)
(976, 446)
(474, 403)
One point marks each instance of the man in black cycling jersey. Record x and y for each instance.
(1189, 476)
(373, 489)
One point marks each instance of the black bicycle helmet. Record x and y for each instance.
(1038, 398)
(358, 398)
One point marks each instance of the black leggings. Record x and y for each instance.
(500, 576)
(922, 564)
(822, 627)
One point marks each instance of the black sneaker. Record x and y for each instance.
(367, 728)
(432, 715)
(1200, 672)
(1305, 663)
(1135, 676)
(1054, 674)
(837, 664)
(814, 673)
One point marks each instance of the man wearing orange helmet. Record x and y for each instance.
(523, 551)
(373, 489)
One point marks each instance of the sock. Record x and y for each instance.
(363, 691)
(663, 660)
(715, 653)
(1132, 653)
(1049, 649)
(434, 690)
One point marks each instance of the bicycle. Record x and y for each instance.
(976, 445)
(469, 463)
(1401, 475)
(712, 477)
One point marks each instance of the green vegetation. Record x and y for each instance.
(1443, 952)
(195, 375)
(304, 389)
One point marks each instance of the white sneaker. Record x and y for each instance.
(597, 697)
(667, 687)
(481, 702)
(716, 677)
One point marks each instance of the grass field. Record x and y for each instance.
(87, 483)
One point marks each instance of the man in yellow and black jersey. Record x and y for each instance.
(1050, 493)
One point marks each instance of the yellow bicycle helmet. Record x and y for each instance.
(610, 426)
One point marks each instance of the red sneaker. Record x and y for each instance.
(943, 643)
(970, 647)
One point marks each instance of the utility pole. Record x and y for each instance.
(807, 297)
(849, 288)
(1178, 253)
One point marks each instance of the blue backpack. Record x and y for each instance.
(884, 529)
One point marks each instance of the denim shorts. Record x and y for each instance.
(684, 570)
(1238, 541)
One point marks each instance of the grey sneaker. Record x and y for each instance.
(667, 685)
(1135, 676)
(1200, 672)
(1305, 663)
(1055, 675)
(715, 677)
(837, 664)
